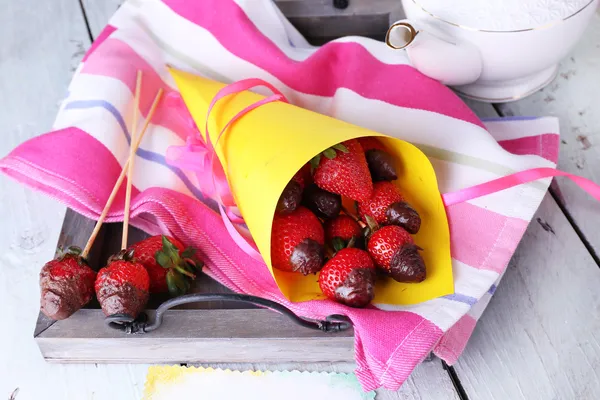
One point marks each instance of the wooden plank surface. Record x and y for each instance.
(574, 97)
(193, 336)
(538, 339)
(540, 336)
(36, 66)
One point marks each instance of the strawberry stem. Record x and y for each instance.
(186, 273)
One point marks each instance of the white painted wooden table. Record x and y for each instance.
(539, 338)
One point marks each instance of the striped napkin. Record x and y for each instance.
(355, 79)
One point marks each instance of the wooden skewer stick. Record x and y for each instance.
(119, 181)
(136, 105)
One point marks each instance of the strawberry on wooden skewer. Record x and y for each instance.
(122, 287)
(67, 283)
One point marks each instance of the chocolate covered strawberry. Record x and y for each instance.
(343, 169)
(323, 203)
(297, 242)
(341, 230)
(170, 265)
(349, 278)
(387, 206)
(122, 287)
(292, 193)
(67, 284)
(393, 250)
(380, 162)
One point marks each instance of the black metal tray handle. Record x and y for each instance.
(130, 325)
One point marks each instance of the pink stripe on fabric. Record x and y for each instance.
(333, 66)
(116, 59)
(86, 172)
(455, 340)
(545, 145)
(481, 238)
(106, 32)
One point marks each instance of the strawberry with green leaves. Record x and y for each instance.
(394, 252)
(349, 278)
(171, 266)
(66, 283)
(122, 287)
(387, 206)
(343, 169)
(297, 241)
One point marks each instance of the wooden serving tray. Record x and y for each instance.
(204, 332)
(216, 331)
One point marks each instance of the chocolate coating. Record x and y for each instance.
(321, 202)
(402, 214)
(290, 198)
(381, 165)
(358, 289)
(407, 265)
(308, 257)
(63, 295)
(122, 299)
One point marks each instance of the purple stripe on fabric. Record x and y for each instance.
(145, 154)
(462, 298)
(492, 289)
(515, 118)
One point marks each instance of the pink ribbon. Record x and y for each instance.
(199, 155)
(515, 179)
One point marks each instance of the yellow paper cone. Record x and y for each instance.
(263, 150)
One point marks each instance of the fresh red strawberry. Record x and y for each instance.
(122, 286)
(67, 284)
(343, 169)
(297, 241)
(384, 195)
(393, 250)
(370, 143)
(381, 163)
(169, 264)
(349, 278)
(387, 206)
(343, 227)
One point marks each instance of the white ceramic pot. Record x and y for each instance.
(490, 50)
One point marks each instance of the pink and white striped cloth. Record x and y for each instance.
(354, 79)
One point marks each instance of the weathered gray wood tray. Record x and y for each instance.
(215, 331)
(202, 332)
